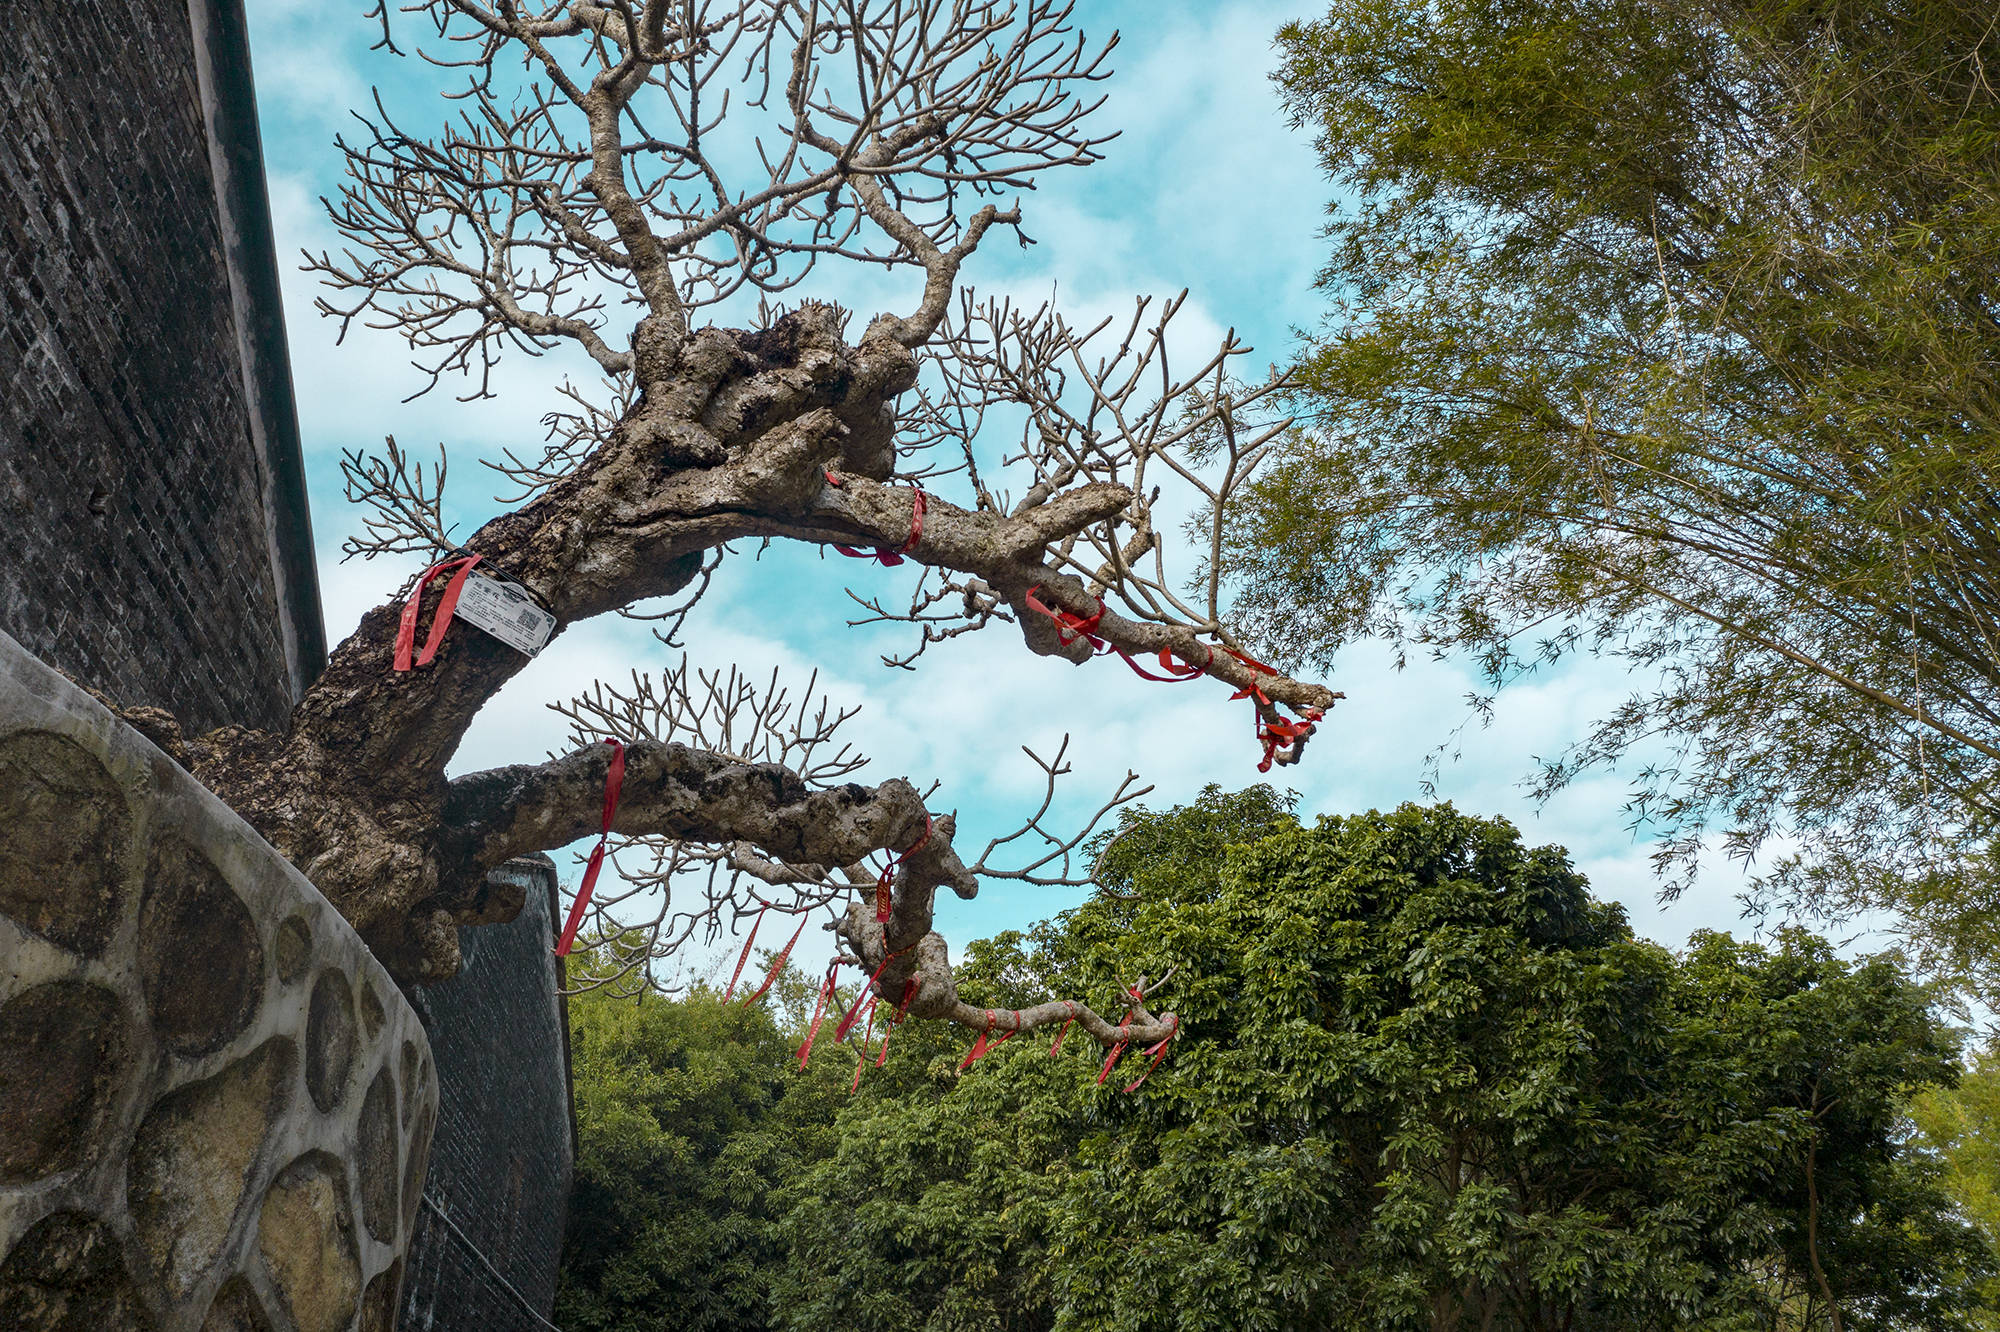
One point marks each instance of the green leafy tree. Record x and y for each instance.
(1424, 1081)
(691, 1117)
(980, 1160)
(1669, 330)
(1962, 1124)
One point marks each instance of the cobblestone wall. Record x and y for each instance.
(154, 541)
(503, 1154)
(215, 1107)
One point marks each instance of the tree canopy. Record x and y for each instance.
(1667, 331)
(690, 1120)
(1424, 1082)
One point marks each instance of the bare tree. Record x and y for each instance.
(612, 168)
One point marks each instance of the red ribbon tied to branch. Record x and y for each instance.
(614, 779)
(1056, 1044)
(867, 991)
(406, 628)
(1159, 1052)
(819, 1013)
(1277, 737)
(777, 963)
(910, 988)
(1118, 1048)
(980, 1047)
(882, 555)
(1070, 627)
(885, 882)
(743, 956)
(862, 1061)
(895, 1019)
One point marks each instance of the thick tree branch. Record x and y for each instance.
(689, 794)
(900, 955)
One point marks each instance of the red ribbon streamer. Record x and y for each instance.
(819, 1011)
(1177, 672)
(867, 989)
(1277, 737)
(1069, 627)
(979, 1046)
(910, 989)
(886, 881)
(1251, 690)
(1119, 1048)
(1056, 1044)
(406, 627)
(883, 1053)
(777, 966)
(882, 555)
(614, 779)
(1159, 1052)
(743, 957)
(862, 1062)
(1251, 662)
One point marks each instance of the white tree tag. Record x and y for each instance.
(506, 611)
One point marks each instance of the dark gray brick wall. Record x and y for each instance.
(135, 549)
(502, 1157)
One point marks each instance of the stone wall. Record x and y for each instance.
(215, 1106)
(154, 538)
(490, 1236)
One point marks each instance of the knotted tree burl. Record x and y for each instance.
(609, 172)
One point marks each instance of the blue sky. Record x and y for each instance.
(1206, 188)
